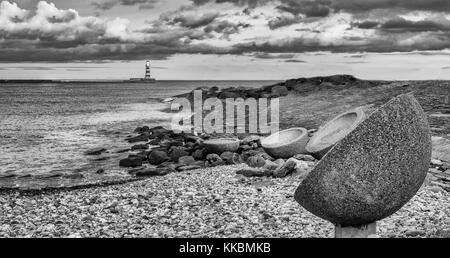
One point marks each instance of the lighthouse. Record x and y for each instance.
(147, 78)
(147, 71)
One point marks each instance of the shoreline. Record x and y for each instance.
(211, 202)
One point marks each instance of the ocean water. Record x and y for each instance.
(46, 128)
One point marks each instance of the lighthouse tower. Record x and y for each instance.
(147, 71)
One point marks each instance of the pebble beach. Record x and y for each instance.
(203, 203)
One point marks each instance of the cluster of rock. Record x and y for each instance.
(159, 151)
(275, 91)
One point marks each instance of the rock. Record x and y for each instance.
(95, 152)
(228, 95)
(288, 168)
(149, 172)
(100, 171)
(305, 157)
(256, 162)
(254, 172)
(214, 160)
(436, 162)
(157, 157)
(414, 233)
(280, 162)
(177, 152)
(270, 165)
(186, 160)
(140, 147)
(131, 162)
(231, 158)
(287, 143)
(139, 138)
(434, 170)
(376, 169)
(280, 91)
(198, 154)
(142, 129)
(436, 189)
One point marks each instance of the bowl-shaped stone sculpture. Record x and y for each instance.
(334, 131)
(219, 146)
(374, 170)
(286, 144)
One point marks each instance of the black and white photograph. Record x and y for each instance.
(224, 119)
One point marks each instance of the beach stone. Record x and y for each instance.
(157, 157)
(256, 162)
(270, 165)
(199, 154)
(177, 152)
(214, 160)
(286, 169)
(186, 160)
(374, 170)
(131, 162)
(436, 162)
(305, 157)
(231, 158)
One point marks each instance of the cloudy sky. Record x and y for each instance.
(225, 39)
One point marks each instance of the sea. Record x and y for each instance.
(46, 128)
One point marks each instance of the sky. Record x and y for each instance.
(225, 39)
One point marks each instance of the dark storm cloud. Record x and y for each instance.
(400, 25)
(143, 4)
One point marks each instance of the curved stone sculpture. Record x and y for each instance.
(287, 143)
(375, 170)
(334, 131)
(219, 146)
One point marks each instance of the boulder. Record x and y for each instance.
(374, 170)
(280, 91)
(186, 160)
(131, 162)
(214, 160)
(286, 169)
(177, 152)
(198, 154)
(256, 162)
(270, 165)
(157, 157)
(231, 158)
